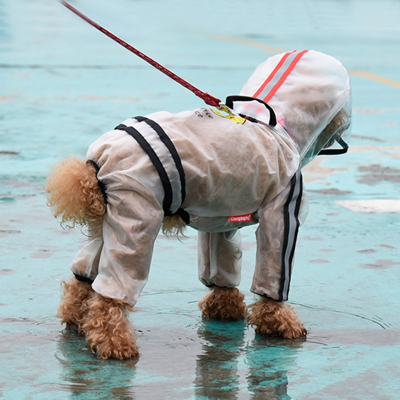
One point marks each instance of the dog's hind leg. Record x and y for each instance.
(275, 318)
(224, 304)
(220, 260)
(72, 309)
(108, 330)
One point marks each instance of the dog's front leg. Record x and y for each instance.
(108, 330)
(279, 221)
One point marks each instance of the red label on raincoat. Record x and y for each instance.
(240, 218)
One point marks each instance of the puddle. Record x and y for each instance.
(380, 264)
(6, 271)
(375, 173)
(367, 251)
(318, 261)
(334, 192)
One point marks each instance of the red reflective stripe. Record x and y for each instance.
(273, 73)
(268, 80)
(284, 76)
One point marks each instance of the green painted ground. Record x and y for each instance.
(62, 84)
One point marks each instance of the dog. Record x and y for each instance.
(215, 170)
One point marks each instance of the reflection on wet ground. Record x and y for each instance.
(84, 376)
(215, 361)
(208, 360)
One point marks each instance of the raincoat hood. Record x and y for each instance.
(310, 94)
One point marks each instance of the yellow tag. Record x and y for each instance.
(233, 117)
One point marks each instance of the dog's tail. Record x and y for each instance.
(75, 194)
(173, 226)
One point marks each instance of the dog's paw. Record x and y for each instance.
(294, 330)
(108, 331)
(118, 351)
(74, 328)
(269, 317)
(120, 344)
(290, 330)
(224, 304)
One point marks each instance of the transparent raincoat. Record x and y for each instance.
(240, 168)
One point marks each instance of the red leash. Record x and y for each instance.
(208, 99)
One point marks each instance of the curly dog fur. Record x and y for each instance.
(104, 322)
(72, 309)
(224, 304)
(108, 330)
(270, 317)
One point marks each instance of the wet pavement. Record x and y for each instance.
(63, 84)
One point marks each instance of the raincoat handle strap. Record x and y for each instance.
(231, 99)
(334, 152)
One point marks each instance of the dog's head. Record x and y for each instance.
(308, 91)
(335, 130)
